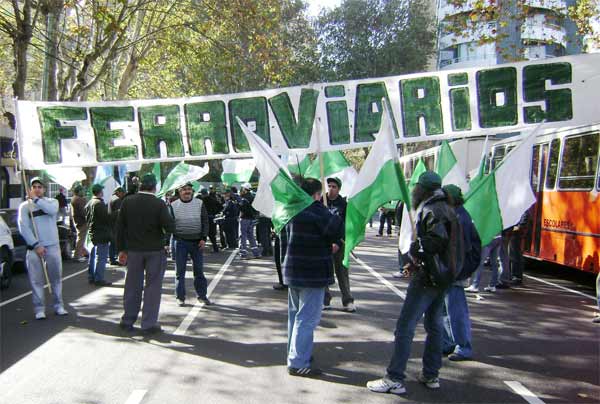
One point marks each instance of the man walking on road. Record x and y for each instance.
(247, 217)
(433, 255)
(307, 243)
(98, 222)
(337, 206)
(41, 236)
(213, 208)
(78, 203)
(191, 228)
(142, 226)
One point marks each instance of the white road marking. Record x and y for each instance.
(561, 287)
(187, 321)
(136, 397)
(45, 286)
(381, 278)
(524, 392)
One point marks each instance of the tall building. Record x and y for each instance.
(540, 29)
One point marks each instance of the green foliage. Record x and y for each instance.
(373, 38)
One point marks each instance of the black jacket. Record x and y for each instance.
(439, 242)
(213, 206)
(246, 209)
(98, 220)
(143, 222)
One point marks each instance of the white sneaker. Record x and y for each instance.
(398, 274)
(472, 289)
(181, 302)
(61, 311)
(350, 308)
(40, 315)
(490, 289)
(431, 383)
(386, 385)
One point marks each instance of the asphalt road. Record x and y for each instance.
(534, 343)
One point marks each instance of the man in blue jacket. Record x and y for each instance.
(308, 243)
(41, 236)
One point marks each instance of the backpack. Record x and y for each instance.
(472, 244)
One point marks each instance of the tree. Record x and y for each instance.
(371, 38)
(586, 15)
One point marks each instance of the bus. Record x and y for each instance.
(565, 219)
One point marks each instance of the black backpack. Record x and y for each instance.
(472, 257)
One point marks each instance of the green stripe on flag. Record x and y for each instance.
(482, 205)
(333, 162)
(446, 159)
(290, 200)
(231, 178)
(388, 185)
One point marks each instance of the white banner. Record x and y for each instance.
(426, 106)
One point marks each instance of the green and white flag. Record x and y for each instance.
(157, 174)
(181, 174)
(298, 163)
(480, 173)
(380, 180)
(449, 169)
(334, 165)
(104, 176)
(277, 196)
(406, 226)
(501, 198)
(64, 176)
(238, 170)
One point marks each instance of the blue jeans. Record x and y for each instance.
(247, 237)
(420, 299)
(493, 250)
(183, 248)
(304, 313)
(457, 324)
(97, 262)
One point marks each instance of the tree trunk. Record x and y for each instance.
(20, 44)
(53, 16)
(128, 76)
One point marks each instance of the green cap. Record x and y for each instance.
(148, 181)
(36, 179)
(430, 180)
(97, 188)
(454, 192)
(118, 189)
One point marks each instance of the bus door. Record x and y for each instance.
(538, 178)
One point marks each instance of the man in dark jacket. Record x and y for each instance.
(434, 268)
(457, 324)
(100, 232)
(231, 212)
(143, 223)
(337, 206)
(78, 203)
(308, 242)
(113, 211)
(247, 217)
(213, 208)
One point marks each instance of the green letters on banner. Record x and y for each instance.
(491, 84)
(154, 131)
(559, 106)
(248, 110)
(295, 133)
(421, 99)
(105, 137)
(206, 120)
(53, 132)
(367, 122)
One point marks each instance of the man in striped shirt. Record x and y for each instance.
(191, 229)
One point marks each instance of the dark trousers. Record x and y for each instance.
(383, 218)
(112, 251)
(222, 237)
(183, 249)
(515, 255)
(343, 279)
(277, 257)
(263, 230)
(230, 227)
(212, 233)
(148, 265)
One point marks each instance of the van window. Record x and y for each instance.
(553, 163)
(579, 162)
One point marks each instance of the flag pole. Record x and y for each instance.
(321, 163)
(29, 202)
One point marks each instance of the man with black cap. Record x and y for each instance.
(231, 212)
(98, 221)
(113, 211)
(37, 225)
(213, 208)
(337, 206)
(191, 228)
(142, 226)
(78, 203)
(433, 269)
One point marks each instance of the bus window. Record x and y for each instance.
(553, 163)
(498, 156)
(579, 162)
(535, 168)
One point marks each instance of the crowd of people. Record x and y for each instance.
(139, 230)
